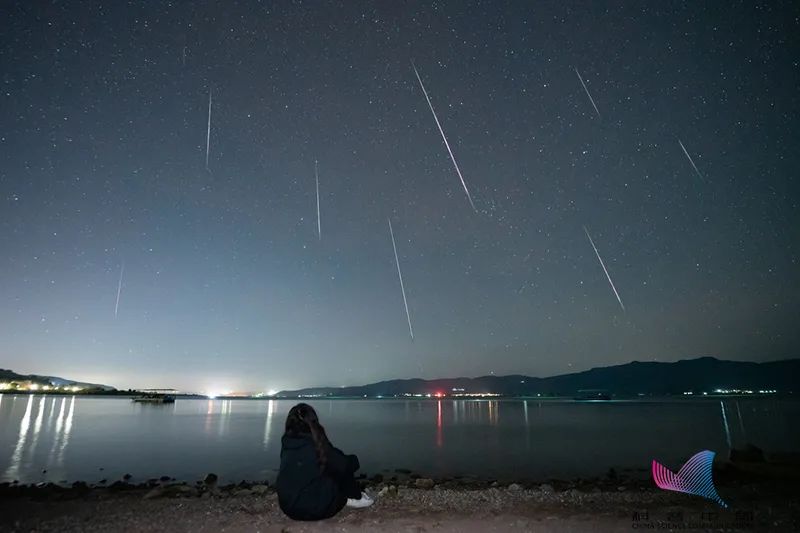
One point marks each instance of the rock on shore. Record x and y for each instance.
(178, 507)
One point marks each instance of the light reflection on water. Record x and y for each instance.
(439, 437)
(37, 426)
(65, 434)
(16, 457)
(527, 425)
(209, 415)
(27, 442)
(268, 422)
(75, 437)
(224, 414)
(58, 425)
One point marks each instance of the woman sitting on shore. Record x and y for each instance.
(315, 479)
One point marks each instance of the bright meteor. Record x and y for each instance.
(587, 93)
(319, 220)
(400, 275)
(447, 144)
(208, 131)
(613, 288)
(690, 160)
(119, 289)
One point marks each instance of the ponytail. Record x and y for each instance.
(303, 419)
(320, 442)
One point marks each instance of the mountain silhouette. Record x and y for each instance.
(704, 374)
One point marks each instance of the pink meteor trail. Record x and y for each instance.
(613, 288)
(447, 144)
(400, 275)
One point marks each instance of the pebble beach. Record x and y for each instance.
(404, 502)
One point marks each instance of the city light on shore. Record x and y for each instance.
(29, 386)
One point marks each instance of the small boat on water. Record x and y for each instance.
(155, 396)
(592, 395)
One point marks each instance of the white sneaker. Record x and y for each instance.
(365, 501)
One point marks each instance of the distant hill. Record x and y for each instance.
(652, 378)
(9, 375)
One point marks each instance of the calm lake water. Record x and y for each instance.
(73, 438)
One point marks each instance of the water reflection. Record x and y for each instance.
(494, 411)
(37, 426)
(527, 426)
(525, 410)
(59, 424)
(112, 430)
(225, 409)
(209, 415)
(67, 431)
(741, 422)
(224, 413)
(16, 457)
(439, 424)
(268, 423)
(725, 424)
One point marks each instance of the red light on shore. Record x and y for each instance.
(439, 394)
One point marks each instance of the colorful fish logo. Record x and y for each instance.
(693, 478)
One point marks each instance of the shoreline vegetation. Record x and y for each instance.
(758, 500)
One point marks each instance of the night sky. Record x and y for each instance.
(227, 284)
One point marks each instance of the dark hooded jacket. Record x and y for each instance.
(304, 492)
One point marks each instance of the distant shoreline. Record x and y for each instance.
(620, 399)
(703, 376)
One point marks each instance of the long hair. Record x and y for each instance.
(303, 420)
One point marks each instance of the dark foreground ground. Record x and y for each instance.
(409, 505)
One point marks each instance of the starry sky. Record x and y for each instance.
(226, 284)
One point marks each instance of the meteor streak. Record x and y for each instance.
(690, 160)
(208, 132)
(587, 93)
(119, 289)
(447, 144)
(400, 275)
(613, 288)
(319, 221)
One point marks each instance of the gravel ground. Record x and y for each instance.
(753, 508)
